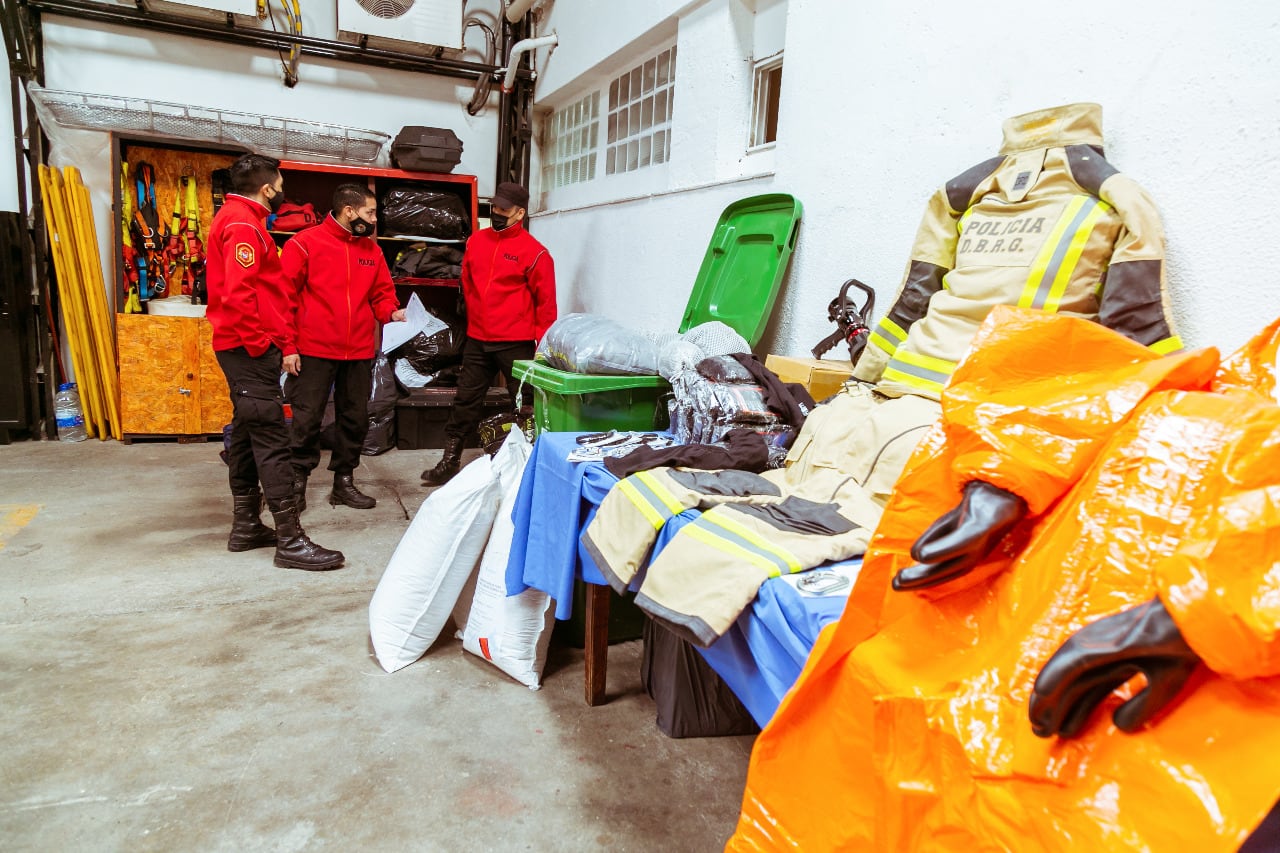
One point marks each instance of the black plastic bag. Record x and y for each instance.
(383, 395)
(381, 436)
(425, 260)
(423, 213)
(427, 354)
(383, 392)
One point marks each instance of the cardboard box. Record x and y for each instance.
(822, 377)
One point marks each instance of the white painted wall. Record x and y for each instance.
(884, 101)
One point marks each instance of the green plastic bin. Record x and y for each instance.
(737, 284)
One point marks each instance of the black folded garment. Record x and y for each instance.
(740, 449)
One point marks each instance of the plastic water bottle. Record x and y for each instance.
(66, 409)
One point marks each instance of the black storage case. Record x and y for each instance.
(421, 417)
(426, 149)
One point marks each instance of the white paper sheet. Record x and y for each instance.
(417, 319)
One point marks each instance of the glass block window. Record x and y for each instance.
(574, 139)
(640, 103)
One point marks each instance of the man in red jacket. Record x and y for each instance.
(249, 309)
(509, 285)
(342, 289)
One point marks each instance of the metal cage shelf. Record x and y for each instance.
(281, 137)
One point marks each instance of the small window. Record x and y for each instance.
(572, 137)
(766, 92)
(639, 124)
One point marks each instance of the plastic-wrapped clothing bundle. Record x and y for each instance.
(591, 344)
(675, 354)
(1144, 475)
(424, 213)
(716, 338)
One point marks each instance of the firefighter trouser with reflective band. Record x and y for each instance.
(860, 434)
(712, 569)
(626, 525)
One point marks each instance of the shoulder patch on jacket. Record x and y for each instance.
(1090, 169)
(961, 188)
(245, 255)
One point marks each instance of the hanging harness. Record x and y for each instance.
(184, 248)
(132, 301)
(148, 236)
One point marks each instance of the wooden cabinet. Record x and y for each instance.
(170, 382)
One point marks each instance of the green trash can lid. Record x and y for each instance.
(742, 270)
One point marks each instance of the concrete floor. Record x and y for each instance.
(160, 693)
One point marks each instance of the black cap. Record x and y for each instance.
(510, 194)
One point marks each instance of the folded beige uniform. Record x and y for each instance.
(822, 507)
(1048, 224)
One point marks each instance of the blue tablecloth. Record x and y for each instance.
(762, 654)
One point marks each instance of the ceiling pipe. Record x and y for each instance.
(516, 10)
(520, 48)
(86, 10)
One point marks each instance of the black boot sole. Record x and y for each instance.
(236, 549)
(309, 567)
(337, 501)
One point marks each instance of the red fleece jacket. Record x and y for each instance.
(509, 284)
(342, 286)
(249, 301)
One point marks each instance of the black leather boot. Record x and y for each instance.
(447, 466)
(247, 530)
(345, 492)
(300, 488)
(293, 549)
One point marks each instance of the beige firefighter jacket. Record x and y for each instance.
(1048, 224)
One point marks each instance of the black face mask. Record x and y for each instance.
(275, 201)
(362, 227)
(499, 221)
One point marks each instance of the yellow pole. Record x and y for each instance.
(66, 273)
(75, 256)
(99, 314)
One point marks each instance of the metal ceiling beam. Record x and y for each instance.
(231, 33)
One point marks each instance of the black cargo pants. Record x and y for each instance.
(259, 449)
(308, 393)
(481, 361)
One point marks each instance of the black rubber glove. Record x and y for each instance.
(1099, 658)
(959, 540)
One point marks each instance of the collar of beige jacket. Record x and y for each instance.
(1071, 124)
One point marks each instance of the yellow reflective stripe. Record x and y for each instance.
(719, 543)
(755, 539)
(963, 221)
(907, 379)
(892, 329)
(1047, 252)
(641, 503)
(883, 343)
(1166, 346)
(928, 362)
(660, 492)
(1068, 267)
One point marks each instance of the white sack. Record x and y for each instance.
(511, 632)
(431, 564)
